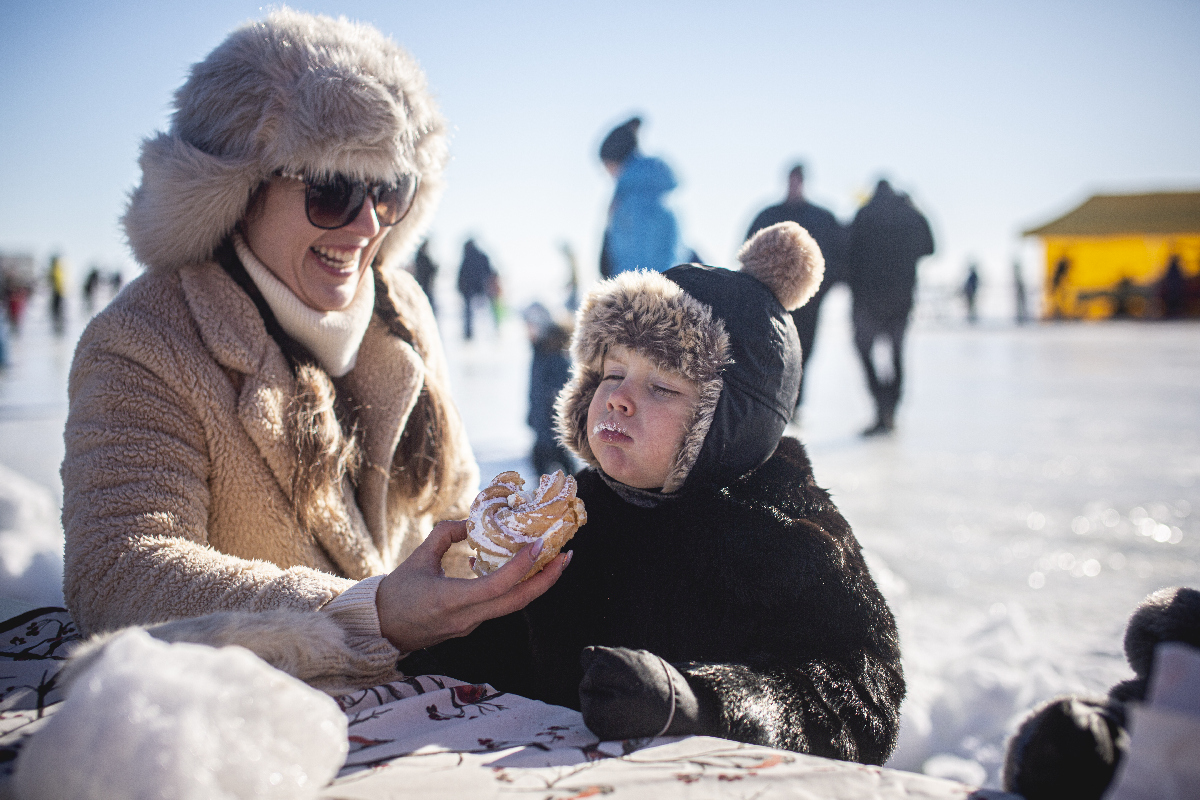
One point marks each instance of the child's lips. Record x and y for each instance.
(611, 433)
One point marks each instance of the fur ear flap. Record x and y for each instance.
(787, 259)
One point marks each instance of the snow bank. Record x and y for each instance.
(184, 721)
(31, 542)
(971, 679)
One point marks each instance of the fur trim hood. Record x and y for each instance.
(728, 332)
(301, 93)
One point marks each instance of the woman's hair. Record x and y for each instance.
(325, 435)
(422, 466)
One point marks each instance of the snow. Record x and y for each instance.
(151, 719)
(1042, 480)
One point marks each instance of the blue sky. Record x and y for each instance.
(994, 116)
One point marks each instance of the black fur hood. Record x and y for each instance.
(728, 332)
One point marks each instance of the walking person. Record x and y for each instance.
(887, 238)
(831, 237)
(549, 371)
(970, 291)
(642, 232)
(57, 278)
(261, 433)
(1020, 295)
(476, 279)
(425, 271)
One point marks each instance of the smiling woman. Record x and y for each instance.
(322, 267)
(261, 422)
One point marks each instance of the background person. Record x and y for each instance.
(549, 370)
(261, 421)
(887, 238)
(970, 292)
(476, 279)
(425, 271)
(830, 236)
(56, 277)
(642, 232)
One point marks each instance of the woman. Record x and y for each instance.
(261, 422)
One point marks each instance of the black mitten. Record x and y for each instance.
(1069, 747)
(632, 694)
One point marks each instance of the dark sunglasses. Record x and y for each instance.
(335, 202)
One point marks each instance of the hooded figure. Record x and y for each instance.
(733, 601)
(642, 232)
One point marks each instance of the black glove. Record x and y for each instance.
(632, 694)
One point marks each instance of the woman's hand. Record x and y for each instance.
(419, 606)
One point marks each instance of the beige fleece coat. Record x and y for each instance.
(177, 476)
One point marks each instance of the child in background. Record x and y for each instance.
(716, 589)
(548, 373)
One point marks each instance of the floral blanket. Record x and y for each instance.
(431, 736)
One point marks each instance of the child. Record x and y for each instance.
(715, 589)
(549, 371)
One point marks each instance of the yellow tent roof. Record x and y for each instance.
(1116, 214)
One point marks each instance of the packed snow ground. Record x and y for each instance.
(1041, 481)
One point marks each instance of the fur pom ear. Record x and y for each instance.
(787, 259)
(1168, 615)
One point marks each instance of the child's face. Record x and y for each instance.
(638, 417)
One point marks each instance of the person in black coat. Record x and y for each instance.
(425, 271)
(831, 238)
(475, 279)
(715, 588)
(887, 238)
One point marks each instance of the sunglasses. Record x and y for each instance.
(335, 202)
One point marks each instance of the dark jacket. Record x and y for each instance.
(548, 372)
(756, 591)
(887, 238)
(475, 273)
(642, 232)
(830, 234)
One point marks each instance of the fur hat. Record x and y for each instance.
(305, 94)
(728, 332)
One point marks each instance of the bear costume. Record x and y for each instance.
(735, 601)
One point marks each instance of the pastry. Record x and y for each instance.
(504, 519)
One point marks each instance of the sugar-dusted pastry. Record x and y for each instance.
(504, 519)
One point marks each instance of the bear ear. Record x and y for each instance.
(787, 259)
(1168, 615)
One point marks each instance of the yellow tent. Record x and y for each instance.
(1109, 256)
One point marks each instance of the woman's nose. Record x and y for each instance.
(365, 223)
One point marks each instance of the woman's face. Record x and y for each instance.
(321, 267)
(638, 417)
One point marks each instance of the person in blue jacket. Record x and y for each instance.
(642, 232)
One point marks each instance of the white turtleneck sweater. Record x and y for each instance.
(333, 337)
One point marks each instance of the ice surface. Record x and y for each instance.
(1042, 480)
(181, 721)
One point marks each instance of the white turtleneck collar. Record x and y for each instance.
(333, 337)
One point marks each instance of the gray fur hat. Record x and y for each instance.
(305, 94)
(728, 332)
